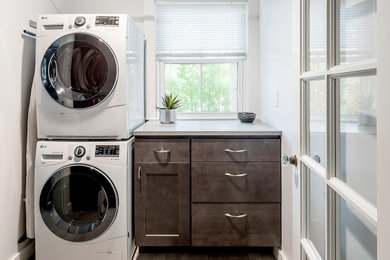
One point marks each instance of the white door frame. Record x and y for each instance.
(296, 61)
(383, 134)
(335, 186)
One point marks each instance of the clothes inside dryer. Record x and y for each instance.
(78, 203)
(80, 66)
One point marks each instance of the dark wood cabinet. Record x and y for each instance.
(235, 192)
(162, 198)
(234, 186)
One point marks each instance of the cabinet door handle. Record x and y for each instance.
(235, 151)
(163, 151)
(139, 173)
(236, 216)
(236, 174)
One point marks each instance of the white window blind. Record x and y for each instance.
(196, 29)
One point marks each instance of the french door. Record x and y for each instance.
(338, 163)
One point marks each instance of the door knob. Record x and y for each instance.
(289, 160)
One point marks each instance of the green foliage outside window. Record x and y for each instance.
(203, 87)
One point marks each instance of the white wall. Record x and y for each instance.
(16, 73)
(276, 74)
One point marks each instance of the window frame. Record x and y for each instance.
(202, 115)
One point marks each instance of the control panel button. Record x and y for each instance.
(88, 157)
(79, 151)
(80, 21)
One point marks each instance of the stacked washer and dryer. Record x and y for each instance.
(90, 97)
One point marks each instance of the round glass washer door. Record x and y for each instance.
(78, 203)
(79, 70)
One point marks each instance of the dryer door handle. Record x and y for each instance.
(53, 72)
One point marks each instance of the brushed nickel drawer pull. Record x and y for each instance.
(139, 173)
(236, 174)
(163, 151)
(236, 216)
(235, 151)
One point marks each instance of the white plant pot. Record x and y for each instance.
(167, 116)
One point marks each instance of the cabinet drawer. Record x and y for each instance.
(207, 150)
(236, 182)
(162, 150)
(236, 224)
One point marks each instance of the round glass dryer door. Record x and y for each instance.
(78, 203)
(79, 70)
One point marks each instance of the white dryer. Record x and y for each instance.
(89, 76)
(83, 200)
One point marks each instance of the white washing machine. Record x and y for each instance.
(89, 76)
(83, 200)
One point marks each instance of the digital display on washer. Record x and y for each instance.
(107, 20)
(107, 151)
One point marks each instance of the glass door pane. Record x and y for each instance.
(317, 35)
(356, 237)
(316, 142)
(356, 30)
(315, 212)
(357, 134)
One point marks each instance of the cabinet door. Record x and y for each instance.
(162, 204)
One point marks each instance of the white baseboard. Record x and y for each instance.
(26, 252)
(279, 254)
(136, 253)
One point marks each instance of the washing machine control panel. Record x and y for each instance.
(107, 151)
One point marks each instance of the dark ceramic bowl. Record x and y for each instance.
(246, 117)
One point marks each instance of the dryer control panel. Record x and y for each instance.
(107, 20)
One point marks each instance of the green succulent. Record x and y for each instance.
(170, 102)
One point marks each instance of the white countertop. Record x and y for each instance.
(206, 128)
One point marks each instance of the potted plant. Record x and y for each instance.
(364, 106)
(168, 111)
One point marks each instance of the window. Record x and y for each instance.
(200, 49)
(209, 87)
